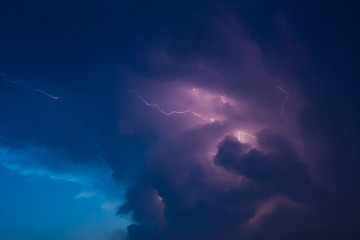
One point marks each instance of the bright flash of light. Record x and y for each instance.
(155, 105)
(213, 106)
(245, 137)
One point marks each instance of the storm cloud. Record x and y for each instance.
(206, 120)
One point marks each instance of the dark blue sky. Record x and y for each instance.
(242, 120)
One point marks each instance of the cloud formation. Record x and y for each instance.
(220, 179)
(215, 124)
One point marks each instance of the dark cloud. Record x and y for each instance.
(197, 206)
(276, 168)
(284, 193)
(236, 164)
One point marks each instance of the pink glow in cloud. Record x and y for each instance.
(218, 131)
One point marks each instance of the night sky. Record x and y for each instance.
(179, 120)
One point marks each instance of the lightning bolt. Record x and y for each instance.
(4, 77)
(47, 94)
(287, 95)
(283, 104)
(154, 105)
